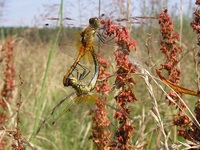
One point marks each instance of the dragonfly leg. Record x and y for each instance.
(75, 72)
(85, 72)
(121, 45)
(103, 37)
(78, 74)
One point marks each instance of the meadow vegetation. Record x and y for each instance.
(154, 116)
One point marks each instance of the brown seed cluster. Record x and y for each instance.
(123, 81)
(9, 85)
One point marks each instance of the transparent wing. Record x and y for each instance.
(69, 42)
(53, 111)
(71, 108)
(88, 100)
(70, 38)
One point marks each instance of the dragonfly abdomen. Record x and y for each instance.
(80, 88)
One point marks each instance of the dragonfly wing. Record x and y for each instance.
(67, 39)
(66, 110)
(53, 110)
(67, 42)
(106, 49)
(78, 101)
(71, 46)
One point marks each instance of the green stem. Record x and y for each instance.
(40, 102)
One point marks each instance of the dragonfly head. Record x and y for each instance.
(71, 82)
(94, 22)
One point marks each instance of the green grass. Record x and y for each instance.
(42, 66)
(73, 130)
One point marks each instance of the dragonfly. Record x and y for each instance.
(83, 46)
(82, 92)
(176, 87)
(80, 88)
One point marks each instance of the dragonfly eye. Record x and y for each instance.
(66, 82)
(91, 20)
(71, 82)
(95, 22)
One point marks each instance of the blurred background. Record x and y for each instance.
(32, 26)
(34, 13)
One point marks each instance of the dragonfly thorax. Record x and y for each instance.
(80, 88)
(94, 22)
(88, 34)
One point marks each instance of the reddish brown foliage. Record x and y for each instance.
(18, 145)
(194, 132)
(170, 49)
(123, 81)
(9, 86)
(195, 24)
(100, 122)
(9, 73)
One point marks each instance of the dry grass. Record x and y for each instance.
(150, 114)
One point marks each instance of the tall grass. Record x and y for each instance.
(40, 102)
(148, 123)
